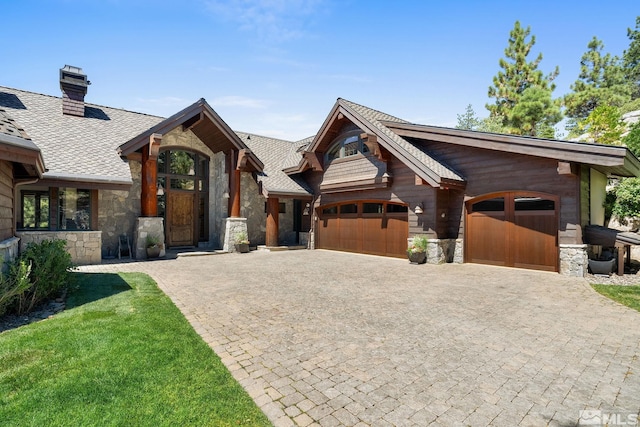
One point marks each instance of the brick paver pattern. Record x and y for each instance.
(321, 338)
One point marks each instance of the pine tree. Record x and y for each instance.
(517, 75)
(468, 120)
(631, 59)
(601, 82)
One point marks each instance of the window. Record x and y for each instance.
(347, 146)
(350, 208)
(490, 205)
(35, 210)
(396, 208)
(74, 209)
(372, 208)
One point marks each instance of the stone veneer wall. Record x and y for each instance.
(9, 251)
(573, 260)
(83, 246)
(252, 208)
(118, 211)
(147, 226)
(440, 251)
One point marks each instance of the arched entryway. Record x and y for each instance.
(371, 227)
(514, 229)
(183, 187)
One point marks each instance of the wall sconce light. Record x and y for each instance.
(160, 191)
(418, 210)
(225, 195)
(306, 210)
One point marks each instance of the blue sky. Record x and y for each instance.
(276, 67)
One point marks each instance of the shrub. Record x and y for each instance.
(419, 244)
(49, 266)
(14, 284)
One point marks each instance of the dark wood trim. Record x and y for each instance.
(85, 185)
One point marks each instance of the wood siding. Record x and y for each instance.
(6, 200)
(489, 171)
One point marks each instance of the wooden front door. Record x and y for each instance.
(514, 229)
(180, 218)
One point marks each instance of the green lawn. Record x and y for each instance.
(627, 295)
(121, 354)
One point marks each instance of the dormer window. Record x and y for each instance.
(346, 146)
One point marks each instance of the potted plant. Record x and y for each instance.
(417, 250)
(153, 246)
(242, 242)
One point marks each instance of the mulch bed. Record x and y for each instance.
(42, 312)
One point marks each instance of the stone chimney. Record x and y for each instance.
(73, 83)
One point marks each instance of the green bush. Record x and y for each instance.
(14, 284)
(41, 271)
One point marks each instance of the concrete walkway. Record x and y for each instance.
(329, 338)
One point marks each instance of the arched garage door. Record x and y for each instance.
(370, 227)
(514, 229)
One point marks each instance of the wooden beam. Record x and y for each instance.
(234, 185)
(419, 180)
(568, 168)
(148, 199)
(273, 211)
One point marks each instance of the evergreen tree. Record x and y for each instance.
(601, 82)
(535, 114)
(468, 120)
(631, 59)
(517, 75)
(604, 125)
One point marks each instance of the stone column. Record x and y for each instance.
(233, 227)
(147, 226)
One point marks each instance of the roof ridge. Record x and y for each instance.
(379, 112)
(90, 104)
(264, 136)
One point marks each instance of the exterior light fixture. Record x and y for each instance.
(225, 195)
(160, 191)
(419, 209)
(306, 209)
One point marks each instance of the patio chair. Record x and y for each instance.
(124, 247)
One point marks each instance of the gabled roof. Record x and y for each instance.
(205, 123)
(609, 159)
(372, 121)
(276, 154)
(16, 146)
(77, 150)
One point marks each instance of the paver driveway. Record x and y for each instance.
(329, 338)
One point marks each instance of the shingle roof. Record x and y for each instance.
(276, 154)
(375, 117)
(295, 152)
(76, 148)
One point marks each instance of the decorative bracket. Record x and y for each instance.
(314, 161)
(371, 141)
(243, 158)
(154, 145)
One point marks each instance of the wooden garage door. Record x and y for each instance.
(371, 227)
(514, 229)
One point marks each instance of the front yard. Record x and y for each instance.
(121, 354)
